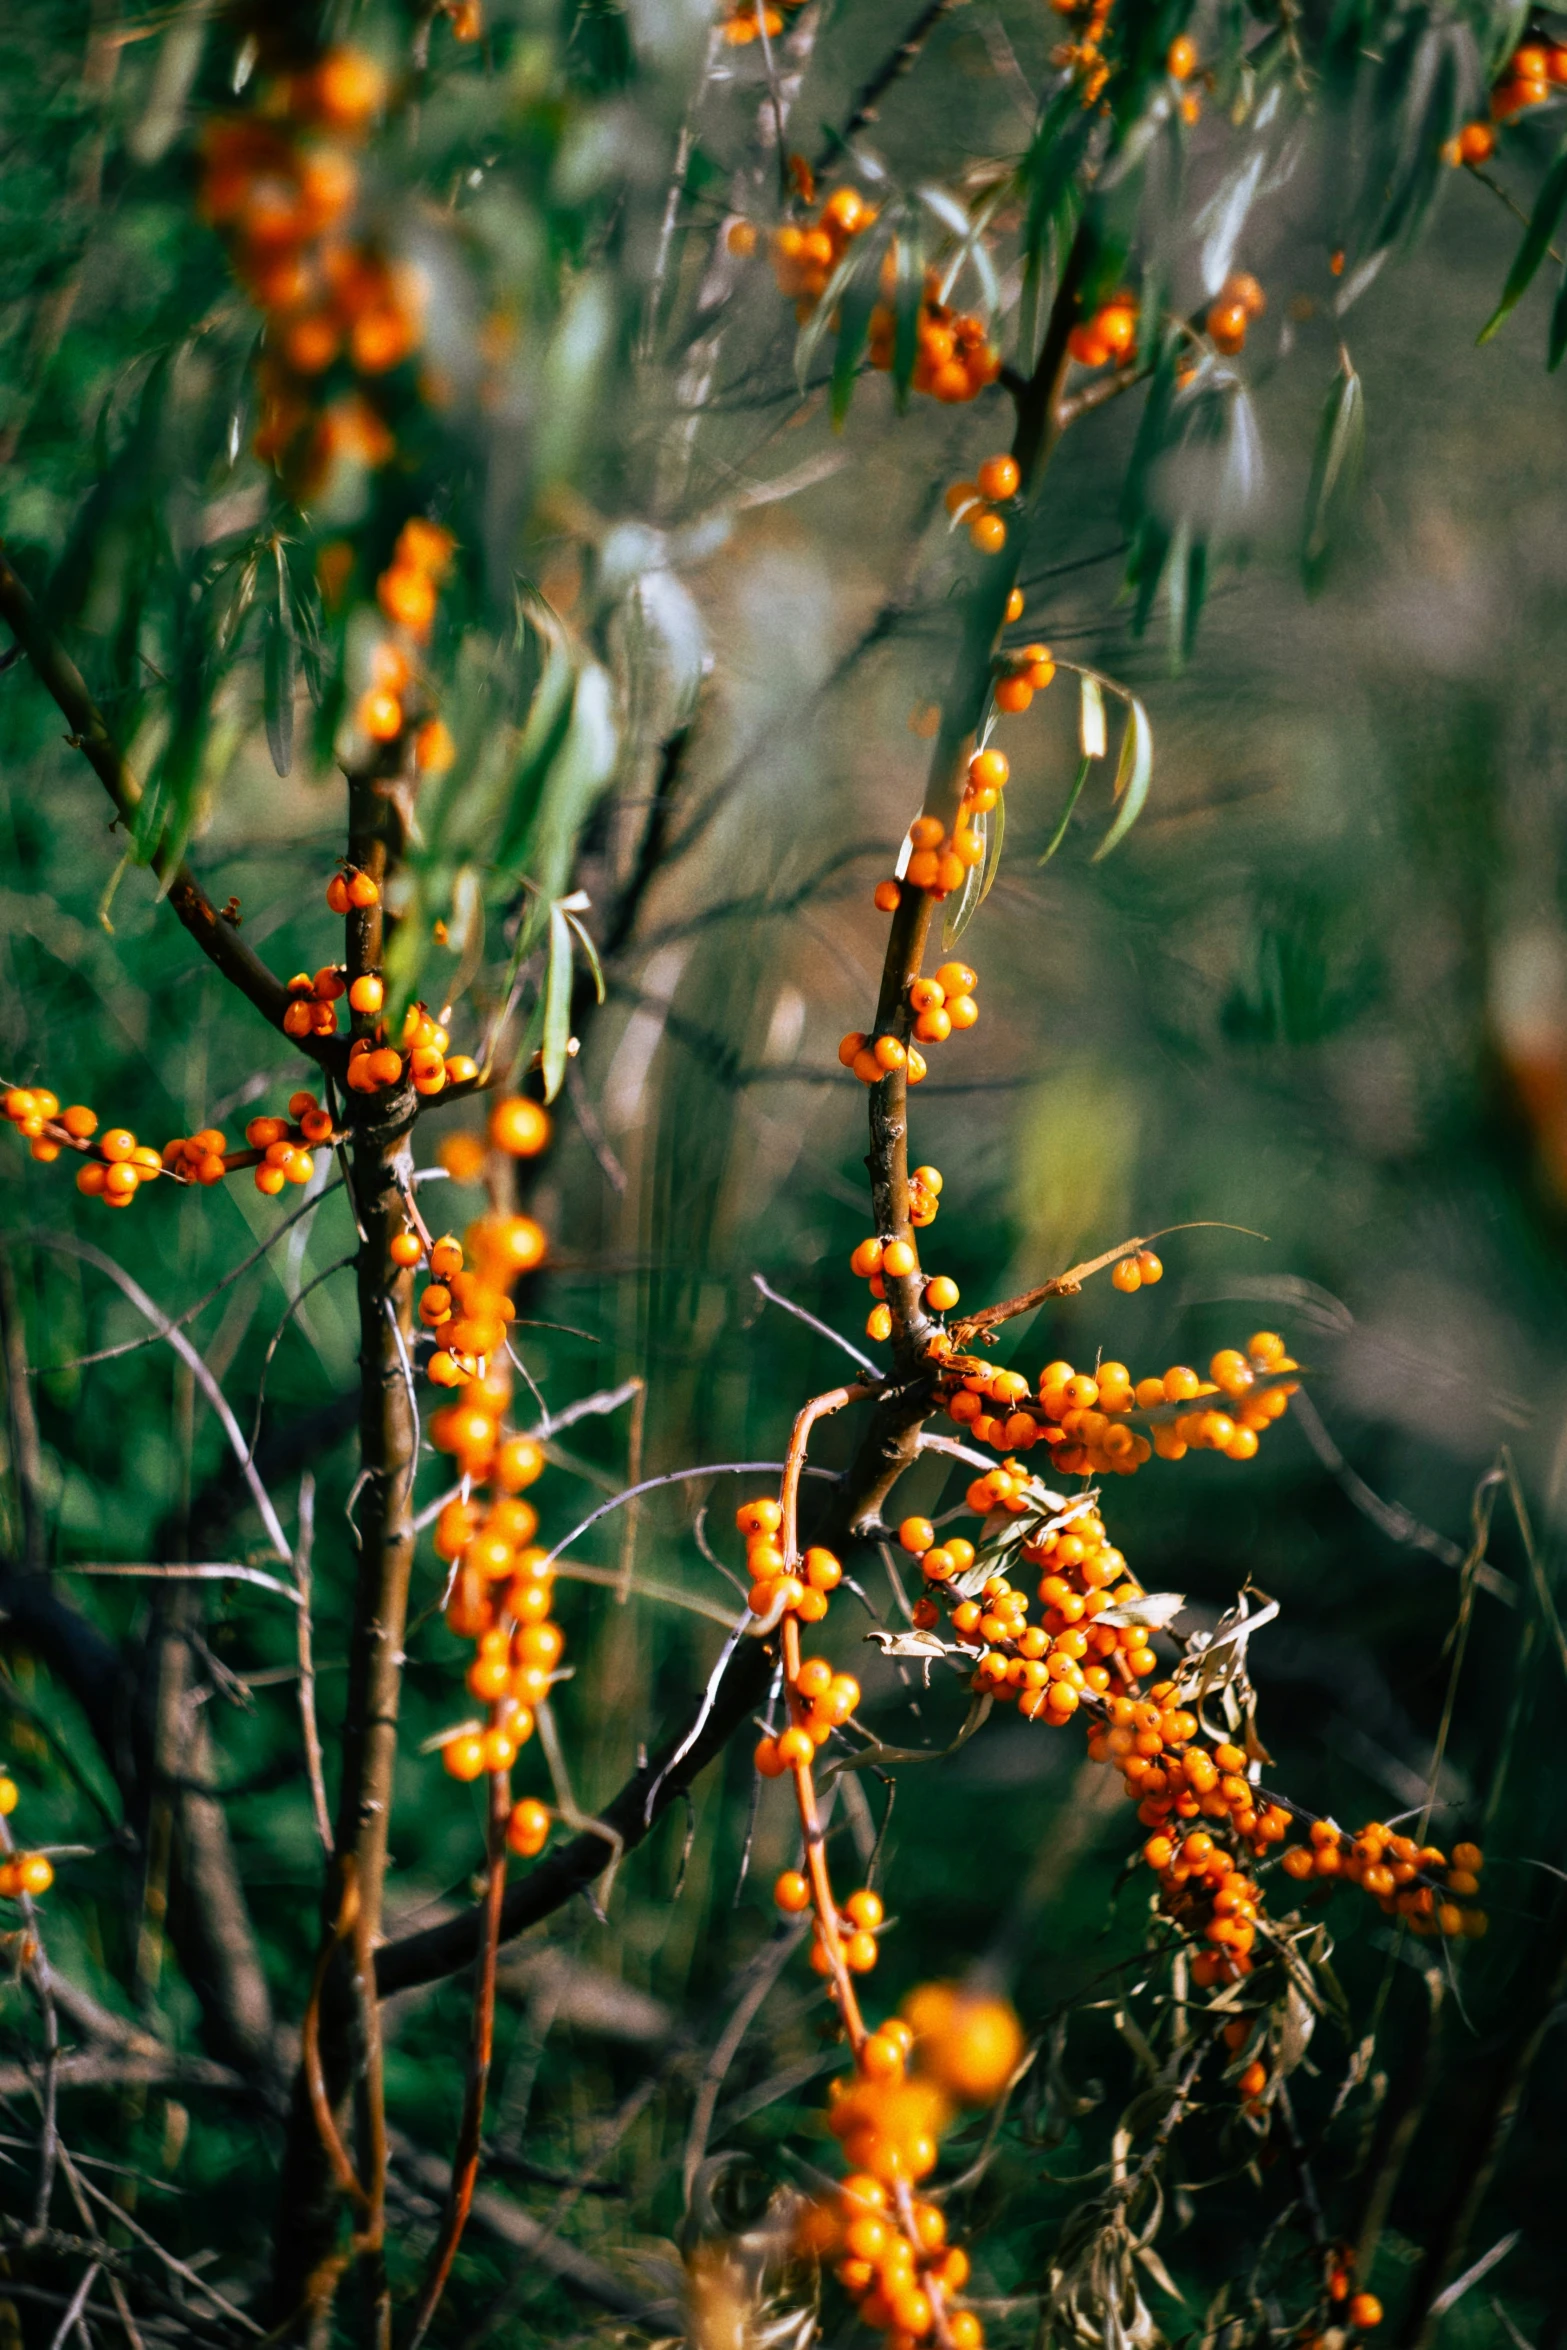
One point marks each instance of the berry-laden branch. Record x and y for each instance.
(218, 939)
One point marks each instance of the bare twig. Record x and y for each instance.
(307, 1670)
(465, 2165)
(822, 1329)
(215, 1396)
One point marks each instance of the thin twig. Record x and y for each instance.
(127, 1346)
(465, 2162)
(70, 1246)
(823, 1329)
(304, 1632)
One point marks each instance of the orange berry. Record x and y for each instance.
(916, 1535)
(792, 1892)
(941, 1294)
(988, 533)
(363, 891)
(367, 994)
(898, 1259)
(1364, 2310)
(464, 1756)
(1180, 61)
(999, 477)
(888, 897)
(519, 1126)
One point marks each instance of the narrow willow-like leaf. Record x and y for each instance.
(1334, 471)
(908, 292)
(854, 317)
(557, 1004)
(972, 892)
(1072, 798)
(1543, 222)
(1091, 735)
(590, 950)
(1558, 341)
(1132, 775)
(278, 666)
(996, 835)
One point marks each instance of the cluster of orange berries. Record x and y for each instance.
(282, 184)
(1111, 333)
(799, 1588)
(972, 502)
(1204, 1886)
(859, 1916)
(1533, 71)
(743, 20)
(282, 1142)
(116, 1165)
(1361, 2310)
(432, 1065)
(955, 359)
(874, 1260)
(939, 1005)
(1049, 1668)
(947, 2049)
(1084, 1420)
(1409, 1879)
(804, 255)
(1239, 300)
(502, 1584)
(21, 1872)
(408, 591)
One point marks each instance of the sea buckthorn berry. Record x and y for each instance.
(941, 1294)
(957, 979)
(1364, 2310)
(926, 995)
(916, 1070)
(337, 894)
(528, 1828)
(999, 477)
(1468, 1857)
(916, 1535)
(446, 1257)
(367, 994)
(822, 1570)
(890, 1052)
(363, 891)
(519, 1126)
(464, 1756)
(1015, 605)
(988, 534)
(1180, 61)
(851, 1047)
(898, 1259)
(79, 1122)
(758, 1517)
(988, 770)
(864, 1909)
(887, 898)
(927, 832)
(878, 1323)
(792, 1892)
(960, 496)
(34, 1872)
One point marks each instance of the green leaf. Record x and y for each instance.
(1072, 798)
(585, 942)
(995, 835)
(278, 671)
(1092, 739)
(972, 892)
(1543, 222)
(1133, 772)
(908, 293)
(557, 1004)
(1558, 341)
(1335, 468)
(854, 318)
